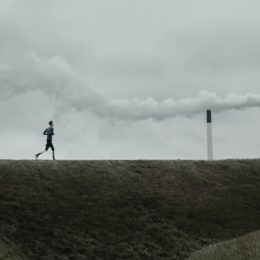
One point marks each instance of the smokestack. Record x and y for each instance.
(209, 135)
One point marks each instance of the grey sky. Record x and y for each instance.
(103, 69)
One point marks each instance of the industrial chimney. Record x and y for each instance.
(209, 135)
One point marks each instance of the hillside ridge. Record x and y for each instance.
(126, 209)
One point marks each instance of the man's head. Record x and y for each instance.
(51, 123)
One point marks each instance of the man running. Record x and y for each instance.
(49, 132)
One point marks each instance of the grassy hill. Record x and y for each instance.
(9, 251)
(125, 209)
(245, 247)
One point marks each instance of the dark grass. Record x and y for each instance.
(246, 247)
(126, 209)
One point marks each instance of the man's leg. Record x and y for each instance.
(53, 154)
(38, 154)
(45, 150)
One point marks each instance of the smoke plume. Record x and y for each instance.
(57, 79)
(150, 108)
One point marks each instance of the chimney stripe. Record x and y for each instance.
(208, 116)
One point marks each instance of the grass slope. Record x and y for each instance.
(9, 251)
(245, 247)
(126, 209)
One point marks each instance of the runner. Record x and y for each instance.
(49, 132)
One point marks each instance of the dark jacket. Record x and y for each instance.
(49, 132)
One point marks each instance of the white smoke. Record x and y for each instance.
(150, 108)
(56, 78)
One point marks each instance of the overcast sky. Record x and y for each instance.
(129, 79)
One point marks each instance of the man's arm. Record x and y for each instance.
(45, 132)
